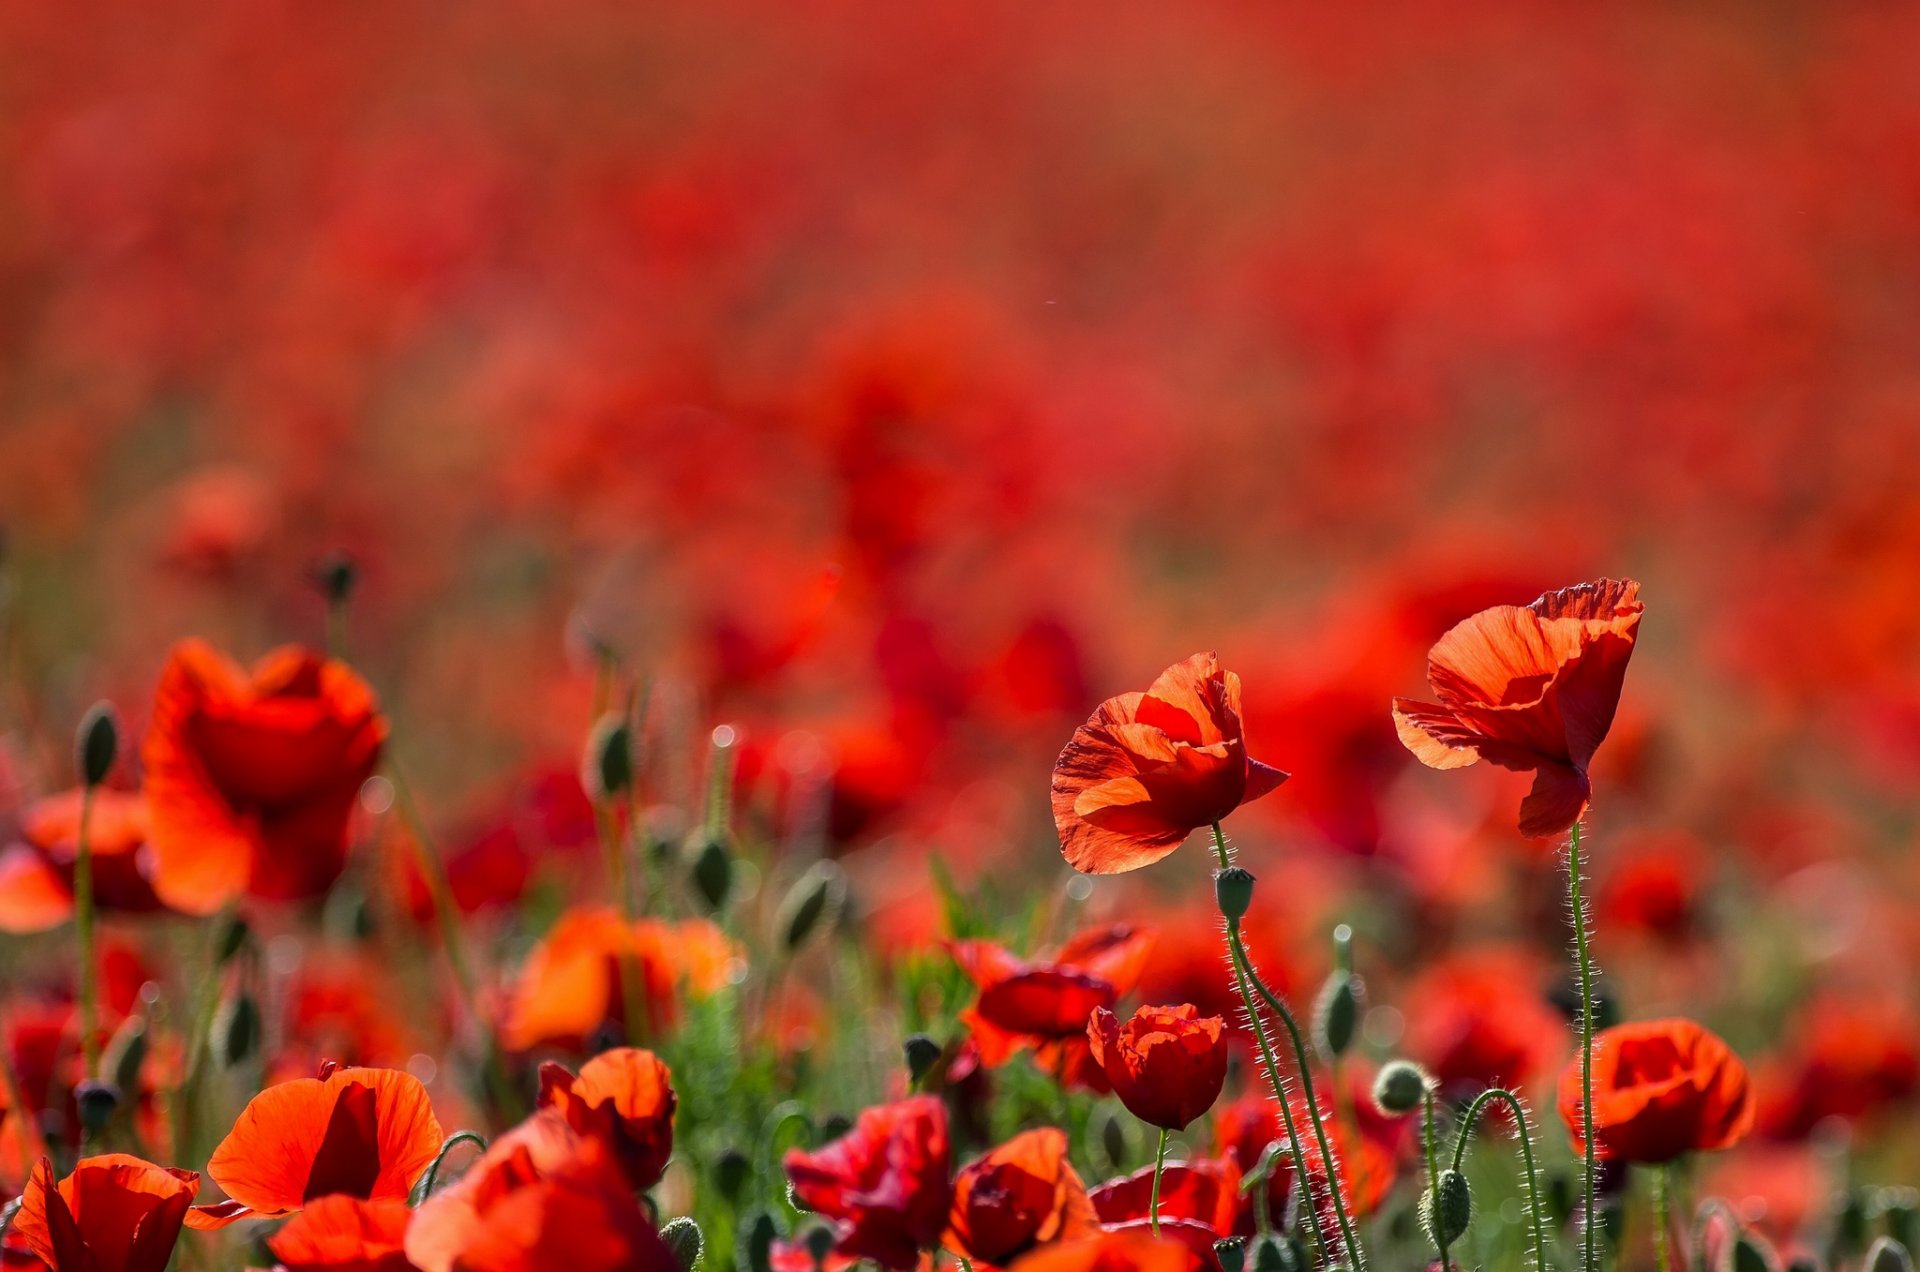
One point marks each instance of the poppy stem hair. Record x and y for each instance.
(1431, 1135)
(1159, 1168)
(1662, 1219)
(1249, 980)
(1584, 961)
(1518, 1108)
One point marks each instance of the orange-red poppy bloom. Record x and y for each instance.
(36, 875)
(570, 988)
(1023, 1194)
(884, 1183)
(623, 1098)
(252, 776)
(112, 1214)
(542, 1197)
(1166, 1064)
(365, 1133)
(1045, 1003)
(1660, 1088)
(1202, 1191)
(345, 1234)
(1147, 769)
(1129, 1251)
(1529, 688)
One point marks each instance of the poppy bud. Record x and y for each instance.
(1399, 1087)
(819, 1241)
(1233, 889)
(235, 1031)
(816, 896)
(1276, 1252)
(1113, 1140)
(347, 914)
(96, 743)
(1901, 1209)
(1447, 1208)
(1751, 1254)
(1888, 1255)
(126, 1052)
(335, 576)
(96, 1102)
(606, 769)
(684, 1242)
(230, 939)
(834, 1125)
(1231, 1253)
(1335, 1013)
(731, 1170)
(1851, 1225)
(753, 1248)
(712, 871)
(921, 1051)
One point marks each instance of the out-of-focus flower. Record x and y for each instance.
(114, 1213)
(365, 1133)
(1654, 886)
(1130, 1251)
(36, 876)
(1368, 1160)
(1166, 1064)
(884, 1183)
(1147, 769)
(623, 1098)
(1046, 1003)
(1842, 1056)
(1201, 1191)
(345, 1234)
(1479, 1021)
(252, 776)
(1529, 688)
(1660, 1088)
(570, 987)
(541, 1197)
(1021, 1195)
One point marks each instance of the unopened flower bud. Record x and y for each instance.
(1399, 1087)
(815, 898)
(96, 743)
(819, 1241)
(921, 1051)
(126, 1051)
(230, 939)
(1113, 1140)
(731, 1171)
(713, 872)
(1753, 1254)
(753, 1248)
(606, 767)
(235, 1032)
(1887, 1255)
(1233, 889)
(835, 1125)
(335, 576)
(1336, 1012)
(1447, 1208)
(1276, 1252)
(96, 1102)
(684, 1241)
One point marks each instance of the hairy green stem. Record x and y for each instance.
(1519, 1111)
(1589, 1258)
(83, 928)
(1433, 1169)
(1662, 1220)
(206, 1000)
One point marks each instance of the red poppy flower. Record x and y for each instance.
(1846, 1056)
(1147, 769)
(112, 1214)
(1131, 1251)
(1202, 1191)
(345, 1234)
(1529, 688)
(623, 1098)
(1166, 1064)
(570, 988)
(1660, 1088)
(541, 1197)
(1368, 1159)
(884, 1182)
(36, 875)
(365, 1133)
(252, 776)
(1482, 1021)
(1023, 1194)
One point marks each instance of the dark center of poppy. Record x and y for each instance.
(349, 1157)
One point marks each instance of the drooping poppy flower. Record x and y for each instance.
(1022, 1194)
(345, 1234)
(623, 1098)
(365, 1133)
(570, 988)
(1529, 688)
(1202, 1191)
(884, 1183)
(1166, 1064)
(36, 875)
(252, 776)
(1045, 1003)
(114, 1213)
(1147, 769)
(1129, 1251)
(1661, 1088)
(541, 1197)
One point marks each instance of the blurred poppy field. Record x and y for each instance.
(764, 638)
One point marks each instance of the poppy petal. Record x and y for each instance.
(1558, 797)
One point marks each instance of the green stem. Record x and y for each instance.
(1519, 1111)
(1589, 1259)
(206, 1000)
(1433, 1170)
(1247, 979)
(83, 927)
(1159, 1168)
(1662, 1221)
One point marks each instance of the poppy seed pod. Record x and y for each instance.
(1336, 1013)
(1276, 1252)
(684, 1241)
(1399, 1086)
(1447, 1208)
(816, 897)
(1231, 1253)
(606, 768)
(96, 744)
(1233, 889)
